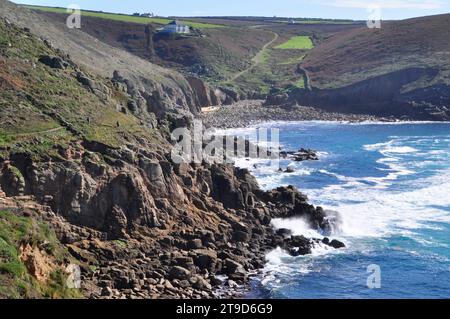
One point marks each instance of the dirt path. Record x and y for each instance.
(257, 59)
(41, 132)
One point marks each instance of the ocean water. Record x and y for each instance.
(390, 183)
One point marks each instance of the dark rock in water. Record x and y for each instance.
(326, 241)
(283, 232)
(305, 155)
(298, 245)
(289, 170)
(336, 244)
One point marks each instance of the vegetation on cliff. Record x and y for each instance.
(46, 109)
(32, 260)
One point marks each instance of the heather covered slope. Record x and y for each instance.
(355, 55)
(44, 107)
(224, 57)
(213, 54)
(401, 70)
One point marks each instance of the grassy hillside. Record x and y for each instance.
(300, 42)
(32, 261)
(42, 108)
(125, 17)
(354, 55)
(241, 56)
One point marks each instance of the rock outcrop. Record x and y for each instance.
(385, 95)
(153, 228)
(98, 168)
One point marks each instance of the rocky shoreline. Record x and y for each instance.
(250, 112)
(206, 239)
(104, 183)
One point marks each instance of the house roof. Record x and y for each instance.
(176, 22)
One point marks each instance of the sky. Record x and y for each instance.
(335, 9)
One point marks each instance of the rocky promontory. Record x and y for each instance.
(144, 227)
(87, 176)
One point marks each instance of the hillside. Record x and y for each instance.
(419, 42)
(214, 55)
(88, 181)
(401, 69)
(157, 88)
(221, 56)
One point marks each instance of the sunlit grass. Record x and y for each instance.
(298, 42)
(127, 18)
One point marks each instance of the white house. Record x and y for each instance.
(176, 27)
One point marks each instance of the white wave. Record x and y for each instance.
(401, 149)
(297, 226)
(370, 207)
(379, 213)
(389, 147)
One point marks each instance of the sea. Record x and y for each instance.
(389, 184)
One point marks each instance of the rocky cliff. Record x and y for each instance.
(152, 86)
(89, 154)
(400, 70)
(144, 227)
(385, 95)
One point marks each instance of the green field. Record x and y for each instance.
(298, 42)
(316, 21)
(126, 18)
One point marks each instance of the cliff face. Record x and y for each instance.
(153, 86)
(142, 226)
(400, 70)
(385, 95)
(89, 155)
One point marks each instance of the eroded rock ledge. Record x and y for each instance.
(144, 227)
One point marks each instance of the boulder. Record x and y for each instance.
(298, 245)
(180, 273)
(201, 284)
(53, 62)
(231, 266)
(206, 259)
(195, 244)
(283, 232)
(336, 244)
(241, 236)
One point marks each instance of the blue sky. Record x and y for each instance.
(338, 9)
